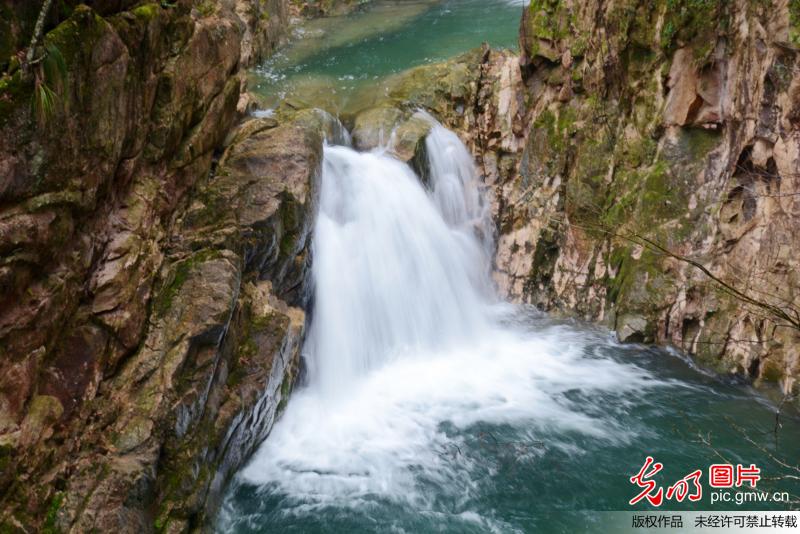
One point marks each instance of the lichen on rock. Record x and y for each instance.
(646, 189)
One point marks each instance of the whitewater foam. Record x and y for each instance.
(405, 351)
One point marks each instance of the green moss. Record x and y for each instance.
(43, 410)
(587, 185)
(206, 8)
(699, 142)
(616, 260)
(549, 19)
(76, 36)
(634, 22)
(165, 298)
(622, 202)
(650, 194)
(688, 21)
(53, 199)
(147, 11)
(51, 517)
(15, 94)
(578, 46)
(639, 152)
(264, 323)
(290, 224)
(639, 284)
(248, 347)
(557, 127)
(216, 206)
(179, 273)
(659, 194)
(794, 22)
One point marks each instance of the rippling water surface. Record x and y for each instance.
(331, 60)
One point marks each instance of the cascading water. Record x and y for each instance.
(429, 405)
(393, 276)
(407, 350)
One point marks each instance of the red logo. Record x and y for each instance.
(750, 474)
(719, 476)
(680, 490)
(649, 485)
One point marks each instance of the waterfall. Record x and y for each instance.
(397, 270)
(407, 341)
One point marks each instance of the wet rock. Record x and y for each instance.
(374, 127)
(632, 329)
(401, 132)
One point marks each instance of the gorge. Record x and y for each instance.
(385, 277)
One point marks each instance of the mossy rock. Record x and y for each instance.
(15, 97)
(691, 21)
(372, 128)
(440, 87)
(178, 274)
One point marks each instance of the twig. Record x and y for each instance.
(37, 35)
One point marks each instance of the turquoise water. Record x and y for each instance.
(330, 59)
(588, 410)
(543, 478)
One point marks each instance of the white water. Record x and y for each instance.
(406, 343)
(392, 276)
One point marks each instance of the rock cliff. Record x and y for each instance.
(152, 262)
(658, 183)
(642, 159)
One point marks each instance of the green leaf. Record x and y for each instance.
(54, 66)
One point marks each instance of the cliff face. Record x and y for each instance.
(150, 277)
(643, 160)
(658, 183)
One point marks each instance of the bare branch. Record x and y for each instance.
(37, 36)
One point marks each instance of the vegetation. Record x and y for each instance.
(49, 79)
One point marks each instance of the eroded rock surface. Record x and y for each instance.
(657, 189)
(150, 283)
(157, 440)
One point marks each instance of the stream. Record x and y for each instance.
(429, 404)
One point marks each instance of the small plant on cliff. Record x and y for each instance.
(51, 519)
(48, 71)
(51, 74)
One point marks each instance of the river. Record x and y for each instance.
(429, 404)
